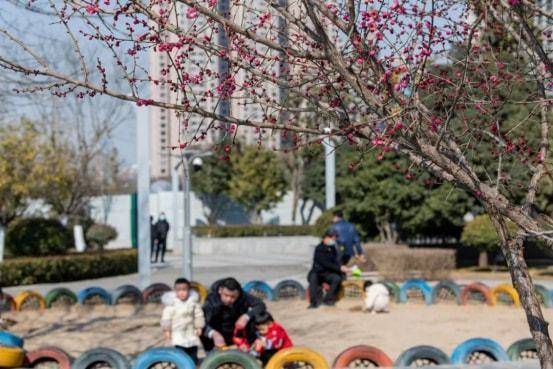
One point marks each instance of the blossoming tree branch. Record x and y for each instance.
(436, 81)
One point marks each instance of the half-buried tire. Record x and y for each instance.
(8, 339)
(126, 294)
(60, 296)
(218, 359)
(422, 356)
(48, 355)
(366, 356)
(543, 295)
(393, 289)
(417, 284)
(152, 294)
(7, 303)
(260, 289)
(11, 357)
(478, 351)
(148, 359)
(200, 288)
(478, 289)
(291, 355)
(446, 290)
(94, 295)
(505, 293)
(524, 349)
(289, 289)
(29, 300)
(106, 356)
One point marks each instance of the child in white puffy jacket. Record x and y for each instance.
(183, 319)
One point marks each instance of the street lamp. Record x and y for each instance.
(330, 170)
(186, 158)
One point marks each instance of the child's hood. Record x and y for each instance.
(170, 298)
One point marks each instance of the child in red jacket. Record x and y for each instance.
(272, 337)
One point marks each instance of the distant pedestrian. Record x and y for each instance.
(347, 238)
(161, 228)
(153, 239)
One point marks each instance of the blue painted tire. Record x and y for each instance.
(290, 284)
(89, 292)
(418, 284)
(126, 291)
(462, 353)
(261, 286)
(449, 285)
(150, 357)
(10, 340)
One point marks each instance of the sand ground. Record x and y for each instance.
(131, 330)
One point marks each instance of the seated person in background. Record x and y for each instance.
(377, 297)
(272, 337)
(182, 319)
(326, 268)
(228, 309)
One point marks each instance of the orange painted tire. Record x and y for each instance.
(479, 288)
(295, 354)
(21, 298)
(48, 354)
(362, 352)
(505, 289)
(200, 288)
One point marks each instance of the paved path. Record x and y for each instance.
(207, 269)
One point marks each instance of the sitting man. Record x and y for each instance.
(228, 309)
(377, 297)
(326, 268)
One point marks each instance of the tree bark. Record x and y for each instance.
(513, 249)
(483, 259)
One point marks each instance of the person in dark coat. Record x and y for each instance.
(153, 239)
(227, 309)
(347, 239)
(326, 268)
(162, 228)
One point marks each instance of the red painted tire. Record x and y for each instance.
(479, 288)
(362, 352)
(152, 294)
(48, 354)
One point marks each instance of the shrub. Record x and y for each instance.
(480, 233)
(99, 235)
(53, 269)
(38, 237)
(252, 230)
(401, 262)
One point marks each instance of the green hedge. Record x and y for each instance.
(51, 269)
(253, 230)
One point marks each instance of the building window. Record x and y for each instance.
(163, 171)
(163, 117)
(162, 125)
(162, 141)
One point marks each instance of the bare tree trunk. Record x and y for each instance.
(483, 259)
(513, 249)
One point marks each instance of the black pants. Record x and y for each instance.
(161, 246)
(190, 351)
(153, 248)
(317, 279)
(266, 355)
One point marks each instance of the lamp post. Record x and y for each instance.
(186, 158)
(330, 171)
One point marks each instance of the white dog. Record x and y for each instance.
(377, 298)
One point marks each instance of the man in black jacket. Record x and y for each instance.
(162, 228)
(326, 268)
(228, 308)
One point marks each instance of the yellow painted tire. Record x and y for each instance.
(23, 296)
(11, 357)
(507, 290)
(200, 288)
(353, 289)
(295, 354)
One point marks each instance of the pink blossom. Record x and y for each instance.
(92, 9)
(192, 13)
(212, 3)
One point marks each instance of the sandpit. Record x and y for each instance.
(131, 330)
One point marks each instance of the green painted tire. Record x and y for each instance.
(58, 293)
(219, 358)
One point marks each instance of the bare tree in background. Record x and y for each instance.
(367, 67)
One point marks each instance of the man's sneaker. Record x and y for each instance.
(329, 303)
